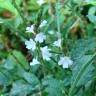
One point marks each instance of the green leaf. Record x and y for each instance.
(20, 89)
(20, 59)
(87, 74)
(78, 75)
(91, 14)
(10, 63)
(54, 86)
(5, 77)
(93, 2)
(31, 78)
(6, 4)
(82, 68)
(82, 47)
(78, 1)
(32, 5)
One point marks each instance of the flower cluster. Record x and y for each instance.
(32, 44)
(39, 38)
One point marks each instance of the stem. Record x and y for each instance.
(79, 75)
(19, 11)
(72, 26)
(41, 59)
(50, 22)
(58, 20)
(55, 52)
(58, 25)
(64, 92)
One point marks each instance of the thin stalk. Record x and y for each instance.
(64, 92)
(72, 26)
(58, 25)
(79, 75)
(19, 11)
(58, 20)
(41, 59)
(50, 22)
(55, 52)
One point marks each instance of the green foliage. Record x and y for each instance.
(75, 20)
(7, 5)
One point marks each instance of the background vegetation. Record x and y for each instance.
(76, 20)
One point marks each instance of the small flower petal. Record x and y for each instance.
(43, 23)
(30, 44)
(30, 29)
(57, 43)
(40, 38)
(45, 53)
(65, 62)
(34, 62)
(65, 66)
(40, 2)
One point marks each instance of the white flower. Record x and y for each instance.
(43, 23)
(30, 44)
(40, 2)
(40, 37)
(65, 61)
(45, 53)
(34, 62)
(57, 43)
(30, 29)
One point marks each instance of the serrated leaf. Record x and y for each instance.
(20, 89)
(5, 77)
(54, 86)
(10, 63)
(31, 78)
(87, 74)
(82, 46)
